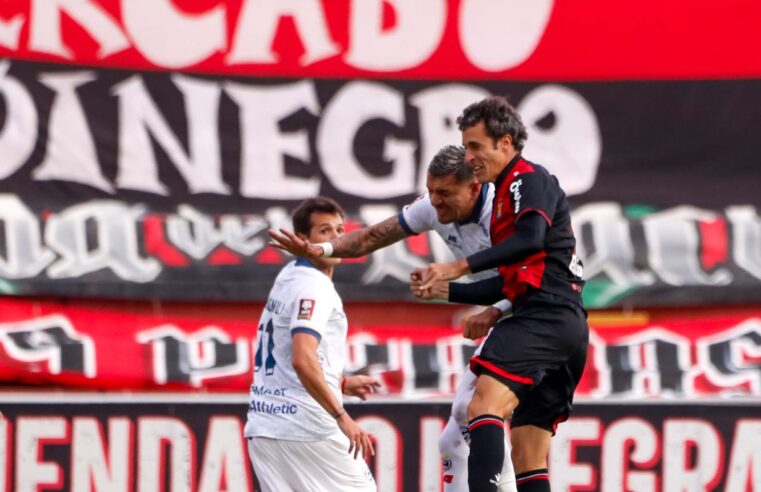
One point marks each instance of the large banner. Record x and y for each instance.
(147, 145)
(667, 356)
(445, 39)
(127, 184)
(104, 442)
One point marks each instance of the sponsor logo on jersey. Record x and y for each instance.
(515, 189)
(306, 308)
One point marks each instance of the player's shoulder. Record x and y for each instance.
(420, 201)
(309, 278)
(525, 166)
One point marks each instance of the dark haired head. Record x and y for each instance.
(500, 118)
(302, 216)
(450, 161)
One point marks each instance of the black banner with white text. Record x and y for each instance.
(128, 184)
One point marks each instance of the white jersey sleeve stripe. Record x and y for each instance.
(308, 331)
(405, 226)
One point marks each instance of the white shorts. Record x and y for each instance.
(283, 466)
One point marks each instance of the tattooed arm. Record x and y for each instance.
(352, 245)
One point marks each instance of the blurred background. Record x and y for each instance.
(146, 146)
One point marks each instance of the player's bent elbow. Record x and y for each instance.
(301, 365)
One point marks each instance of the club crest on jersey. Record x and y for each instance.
(306, 308)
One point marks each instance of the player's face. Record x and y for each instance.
(485, 156)
(453, 201)
(325, 226)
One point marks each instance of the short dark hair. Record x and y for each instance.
(500, 118)
(450, 161)
(302, 215)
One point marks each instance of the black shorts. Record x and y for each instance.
(539, 353)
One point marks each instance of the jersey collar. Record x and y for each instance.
(305, 263)
(475, 215)
(503, 175)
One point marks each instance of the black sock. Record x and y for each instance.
(533, 481)
(487, 452)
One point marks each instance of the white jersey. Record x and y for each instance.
(303, 299)
(463, 239)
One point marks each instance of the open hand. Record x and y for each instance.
(359, 439)
(290, 242)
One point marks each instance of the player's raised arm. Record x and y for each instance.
(352, 245)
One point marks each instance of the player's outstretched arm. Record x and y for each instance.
(352, 245)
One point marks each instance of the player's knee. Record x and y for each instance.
(451, 442)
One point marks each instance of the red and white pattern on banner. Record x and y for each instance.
(430, 39)
(124, 348)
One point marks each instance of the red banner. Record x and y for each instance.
(431, 39)
(184, 348)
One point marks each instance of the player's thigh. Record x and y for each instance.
(318, 466)
(266, 458)
(334, 469)
(462, 397)
(492, 397)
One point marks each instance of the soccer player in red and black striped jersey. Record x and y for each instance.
(530, 365)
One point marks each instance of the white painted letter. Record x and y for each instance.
(225, 456)
(704, 475)
(438, 107)
(567, 472)
(71, 153)
(265, 145)
(170, 38)
(32, 435)
(745, 460)
(91, 467)
(19, 133)
(413, 39)
(45, 29)
(571, 147)
(25, 255)
(356, 104)
(498, 35)
(138, 115)
(388, 449)
(643, 440)
(153, 434)
(259, 20)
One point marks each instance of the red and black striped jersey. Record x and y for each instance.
(524, 187)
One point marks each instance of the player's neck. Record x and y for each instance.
(317, 265)
(327, 270)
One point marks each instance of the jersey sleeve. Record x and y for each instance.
(419, 216)
(534, 192)
(311, 309)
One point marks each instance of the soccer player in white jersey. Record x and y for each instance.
(300, 436)
(459, 210)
